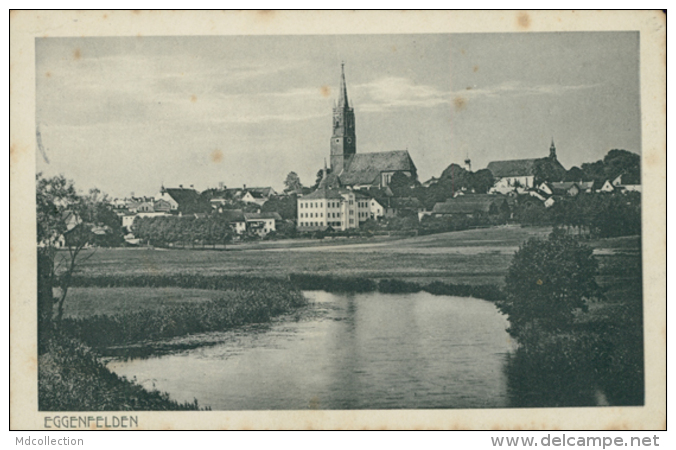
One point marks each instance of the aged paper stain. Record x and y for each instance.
(325, 91)
(216, 156)
(77, 54)
(475, 69)
(265, 15)
(459, 103)
(523, 20)
(14, 153)
(193, 98)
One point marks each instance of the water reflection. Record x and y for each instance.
(360, 351)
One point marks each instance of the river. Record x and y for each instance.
(346, 351)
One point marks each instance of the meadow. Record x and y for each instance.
(479, 256)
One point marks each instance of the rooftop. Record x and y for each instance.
(365, 168)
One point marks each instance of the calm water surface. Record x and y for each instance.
(346, 351)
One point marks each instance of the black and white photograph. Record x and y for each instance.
(340, 222)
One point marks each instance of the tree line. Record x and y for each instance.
(186, 231)
(595, 215)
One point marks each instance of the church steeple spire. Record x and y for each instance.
(343, 138)
(552, 150)
(342, 99)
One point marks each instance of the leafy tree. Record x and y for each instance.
(547, 282)
(292, 183)
(594, 171)
(453, 179)
(319, 177)
(286, 228)
(574, 174)
(401, 184)
(285, 206)
(481, 181)
(64, 221)
(545, 170)
(618, 162)
(615, 163)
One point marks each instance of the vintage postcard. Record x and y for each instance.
(338, 220)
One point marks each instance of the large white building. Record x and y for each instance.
(339, 209)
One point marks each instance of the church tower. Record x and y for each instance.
(552, 150)
(343, 140)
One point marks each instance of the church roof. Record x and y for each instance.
(513, 168)
(365, 168)
(522, 167)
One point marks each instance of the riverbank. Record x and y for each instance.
(71, 378)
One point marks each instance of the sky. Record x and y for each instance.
(130, 114)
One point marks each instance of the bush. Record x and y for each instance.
(554, 370)
(547, 282)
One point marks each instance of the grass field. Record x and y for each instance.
(90, 301)
(471, 257)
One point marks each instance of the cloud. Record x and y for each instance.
(518, 89)
(398, 92)
(262, 118)
(123, 90)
